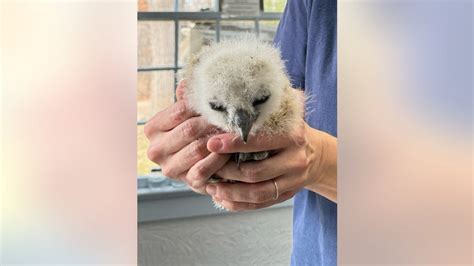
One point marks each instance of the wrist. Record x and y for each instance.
(322, 173)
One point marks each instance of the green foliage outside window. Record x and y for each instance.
(274, 5)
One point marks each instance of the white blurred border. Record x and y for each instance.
(405, 132)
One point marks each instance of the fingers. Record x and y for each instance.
(286, 161)
(255, 193)
(197, 189)
(185, 158)
(185, 133)
(251, 193)
(196, 178)
(169, 118)
(205, 168)
(231, 143)
(235, 206)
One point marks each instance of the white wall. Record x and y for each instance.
(252, 238)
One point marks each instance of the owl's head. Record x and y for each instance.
(238, 84)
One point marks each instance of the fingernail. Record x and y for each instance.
(215, 144)
(211, 189)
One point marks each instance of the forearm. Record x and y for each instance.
(323, 174)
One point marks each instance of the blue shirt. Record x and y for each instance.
(306, 37)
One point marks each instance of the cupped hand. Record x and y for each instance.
(298, 161)
(178, 137)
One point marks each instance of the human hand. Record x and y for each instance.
(305, 158)
(178, 138)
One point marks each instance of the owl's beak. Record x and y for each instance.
(244, 121)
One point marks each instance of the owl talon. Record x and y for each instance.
(218, 206)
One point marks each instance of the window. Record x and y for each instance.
(169, 31)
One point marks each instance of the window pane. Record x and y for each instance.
(155, 92)
(231, 29)
(268, 29)
(274, 5)
(155, 5)
(196, 5)
(193, 35)
(155, 43)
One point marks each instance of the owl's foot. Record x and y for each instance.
(218, 206)
(251, 156)
(215, 179)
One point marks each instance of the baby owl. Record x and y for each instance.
(241, 86)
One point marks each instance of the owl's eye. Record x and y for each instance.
(217, 107)
(260, 100)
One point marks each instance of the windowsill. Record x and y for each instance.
(165, 192)
(174, 203)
